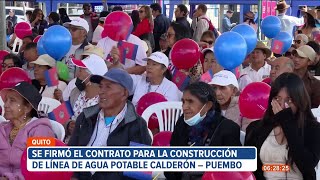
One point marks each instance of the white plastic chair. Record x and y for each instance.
(242, 137)
(47, 105)
(58, 130)
(2, 106)
(151, 135)
(167, 113)
(316, 113)
(2, 119)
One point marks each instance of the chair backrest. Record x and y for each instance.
(47, 105)
(2, 106)
(242, 137)
(2, 119)
(167, 113)
(17, 42)
(58, 130)
(316, 113)
(151, 135)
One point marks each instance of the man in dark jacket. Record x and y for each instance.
(161, 24)
(181, 14)
(114, 122)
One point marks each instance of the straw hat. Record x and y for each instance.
(264, 48)
(91, 49)
(282, 5)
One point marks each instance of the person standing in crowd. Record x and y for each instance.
(12, 17)
(161, 24)
(210, 62)
(300, 40)
(288, 54)
(10, 61)
(37, 21)
(315, 67)
(249, 19)
(144, 29)
(69, 127)
(63, 16)
(30, 54)
(135, 19)
(201, 125)
(79, 29)
(288, 22)
(114, 122)
(117, 8)
(200, 22)
(164, 47)
(181, 14)
(91, 18)
(20, 106)
(53, 19)
(28, 16)
(99, 29)
(309, 28)
(303, 57)
(279, 66)
(226, 23)
(287, 128)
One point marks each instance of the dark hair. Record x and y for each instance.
(251, 21)
(156, 7)
(117, 8)
(167, 74)
(16, 60)
(86, 5)
(203, 8)
(54, 16)
(183, 8)
(135, 19)
(230, 11)
(311, 22)
(315, 46)
(207, 52)
(63, 12)
(104, 14)
(204, 92)
(208, 33)
(180, 31)
(31, 45)
(29, 37)
(33, 112)
(34, 14)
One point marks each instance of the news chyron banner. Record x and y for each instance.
(141, 158)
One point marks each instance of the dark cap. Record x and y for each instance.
(27, 91)
(118, 76)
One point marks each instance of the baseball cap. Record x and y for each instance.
(27, 91)
(45, 60)
(207, 49)
(91, 49)
(306, 51)
(79, 22)
(118, 76)
(159, 57)
(95, 64)
(224, 78)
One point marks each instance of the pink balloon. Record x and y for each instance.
(162, 138)
(13, 76)
(253, 100)
(267, 80)
(23, 29)
(237, 72)
(117, 26)
(43, 175)
(148, 100)
(228, 175)
(37, 39)
(185, 53)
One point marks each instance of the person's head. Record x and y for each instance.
(309, 20)
(11, 13)
(102, 16)
(288, 54)
(198, 98)
(303, 57)
(289, 91)
(208, 37)
(157, 65)
(279, 66)
(10, 61)
(210, 61)
(117, 8)
(145, 13)
(201, 10)
(30, 53)
(181, 11)
(115, 87)
(282, 7)
(91, 49)
(37, 13)
(300, 40)
(20, 102)
(69, 127)
(249, 17)
(62, 12)
(41, 65)
(53, 17)
(135, 17)
(86, 9)
(175, 33)
(318, 12)
(163, 42)
(25, 41)
(229, 13)
(156, 9)
(316, 47)
(28, 15)
(225, 85)
(260, 53)
(78, 28)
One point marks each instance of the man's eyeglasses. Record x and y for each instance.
(169, 35)
(209, 42)
(297, 41)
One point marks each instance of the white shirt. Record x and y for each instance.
(199, 26)
(97, 34)
(106, 44)
(167, 88)
(48, 91)
(67, 91)
(67, 60)
(249, 75)
(288, 22)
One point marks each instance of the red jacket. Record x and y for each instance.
(143, 27)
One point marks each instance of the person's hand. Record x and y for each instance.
(203, 44)
(304, 9)
(233, 24)
(58, 94)
(115, 54)
(276, 107)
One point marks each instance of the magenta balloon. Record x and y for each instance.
(162, 138)
(185, 53)
(117, 26)
(23, 29)
(148, 100)
(228, 175)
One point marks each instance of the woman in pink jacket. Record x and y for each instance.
(20, 106)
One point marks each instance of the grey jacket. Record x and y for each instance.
(131, 128)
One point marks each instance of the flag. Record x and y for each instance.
(127, 50)
(180, 79)
(277, 46)
(207, 77)
(141, 175)
(62, 113)
(51, 77)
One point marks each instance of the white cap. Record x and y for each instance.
(224, 78)
(94, 63)
(45, 60)
(207, 49)
(159, 57)
(80, 22)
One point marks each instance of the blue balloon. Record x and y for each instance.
(249, 34)
(230, 49)
(40, 47)
(271, 26)
(57, 41)
(281, 43)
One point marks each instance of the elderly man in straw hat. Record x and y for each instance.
(288, 22)
(259, 68)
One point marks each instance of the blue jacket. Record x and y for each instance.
(226, 24)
